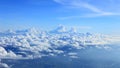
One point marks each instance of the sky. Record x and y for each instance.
(97, 16)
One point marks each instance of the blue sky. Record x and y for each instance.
(100, 16)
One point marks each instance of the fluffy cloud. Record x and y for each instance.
(35, 44)
(3, 65)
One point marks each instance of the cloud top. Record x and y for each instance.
(32, 43)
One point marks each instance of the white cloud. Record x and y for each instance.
(79, 4)
(3, 65)
(6, 54)
(74, 57)
(92, 15)
(96, 10)
(72, 53)
(31, 45)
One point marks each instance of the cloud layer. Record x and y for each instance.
(32, 43)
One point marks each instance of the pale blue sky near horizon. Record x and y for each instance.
(97, 16)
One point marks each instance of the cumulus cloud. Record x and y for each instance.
(3, 65)
(26, 44)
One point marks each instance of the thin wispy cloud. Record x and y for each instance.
(89, 15)
(85, 4)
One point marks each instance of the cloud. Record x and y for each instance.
(3, 65)
(73, 55)
(26, 44)
(79, 4)
(92, 15)
(97, 10)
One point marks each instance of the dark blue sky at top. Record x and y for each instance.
(87, 15)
